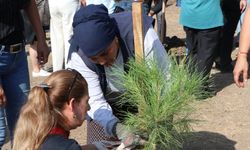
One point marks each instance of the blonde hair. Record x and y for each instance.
(42, 110)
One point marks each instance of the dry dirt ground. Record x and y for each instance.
(224, 118)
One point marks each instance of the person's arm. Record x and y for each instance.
(241, 67)
(2, 96)
(100, 110)
(42, 47)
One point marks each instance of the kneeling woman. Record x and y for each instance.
(52, 110)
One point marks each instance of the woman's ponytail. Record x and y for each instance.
(37, 113)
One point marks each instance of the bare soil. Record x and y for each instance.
(224, 119)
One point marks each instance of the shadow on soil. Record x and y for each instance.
(222, 80)
(208, 141)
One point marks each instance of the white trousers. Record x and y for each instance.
(61, 30)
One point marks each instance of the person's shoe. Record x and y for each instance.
(41, 73)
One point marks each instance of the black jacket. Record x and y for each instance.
(59, 142)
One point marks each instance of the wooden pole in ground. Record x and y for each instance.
(138, 28)
(163, 22)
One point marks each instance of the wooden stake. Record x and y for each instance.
(138, 28)
(163, 23)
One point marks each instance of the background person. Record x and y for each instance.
(61, 17)
(243, 6)
(202, 21)
(231, 12)
(109, 4)
(14, 75)
(160, 17)
(241, 67)
(43, 10)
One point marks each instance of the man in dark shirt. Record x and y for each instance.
(14, 75)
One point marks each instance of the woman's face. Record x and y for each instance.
(80, 110)
(108, 56)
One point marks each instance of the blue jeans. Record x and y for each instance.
(2, 126)
(14, 78)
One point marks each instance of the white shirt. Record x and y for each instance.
(100, 110)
